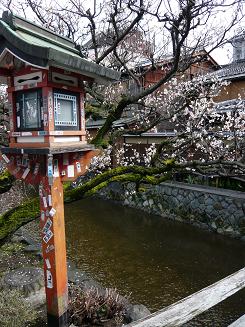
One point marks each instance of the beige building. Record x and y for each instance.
(235, 73)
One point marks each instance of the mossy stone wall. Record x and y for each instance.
(219, 210)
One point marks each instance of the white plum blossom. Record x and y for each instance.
(202, 130)
(101, 162)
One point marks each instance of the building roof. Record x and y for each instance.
(238, 37)
(152, 134)
(41, 47)
(230, 105)
(167, 59)
(235, 70)
(122, 122)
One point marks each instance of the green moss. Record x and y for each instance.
(66, 185)
(134, 174)
(95, 112)
(169, 162)
(6, 181)
(150, 179)
(16, 217)
(99, 182)
(115, 112)
(101, 143)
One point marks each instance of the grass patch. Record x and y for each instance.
(10, 248)
(14, 310)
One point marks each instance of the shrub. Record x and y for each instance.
(93, 306)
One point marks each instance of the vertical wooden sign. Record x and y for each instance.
(54, 250)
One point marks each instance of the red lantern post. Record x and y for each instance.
(45, 76)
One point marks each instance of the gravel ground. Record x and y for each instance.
(32, 228)
(12, 255)
(18, 193)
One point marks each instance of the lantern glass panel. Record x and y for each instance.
(65, 111)
(28, 110)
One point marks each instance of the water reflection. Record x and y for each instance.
(159, 261)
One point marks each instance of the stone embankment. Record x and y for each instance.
(219, 210)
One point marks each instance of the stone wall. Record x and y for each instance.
(219, 210)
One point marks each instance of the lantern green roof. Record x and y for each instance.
(43, 48)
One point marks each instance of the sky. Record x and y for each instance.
(222, 55)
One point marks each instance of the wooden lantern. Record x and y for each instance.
(45, 75)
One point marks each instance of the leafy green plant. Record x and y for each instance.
(225, 182)
(190, 179)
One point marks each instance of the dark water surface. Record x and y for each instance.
(156, 260)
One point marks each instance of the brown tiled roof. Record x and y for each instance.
(235, 70)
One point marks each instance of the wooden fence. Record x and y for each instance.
(186, 309)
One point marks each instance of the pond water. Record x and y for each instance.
(158, 261)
